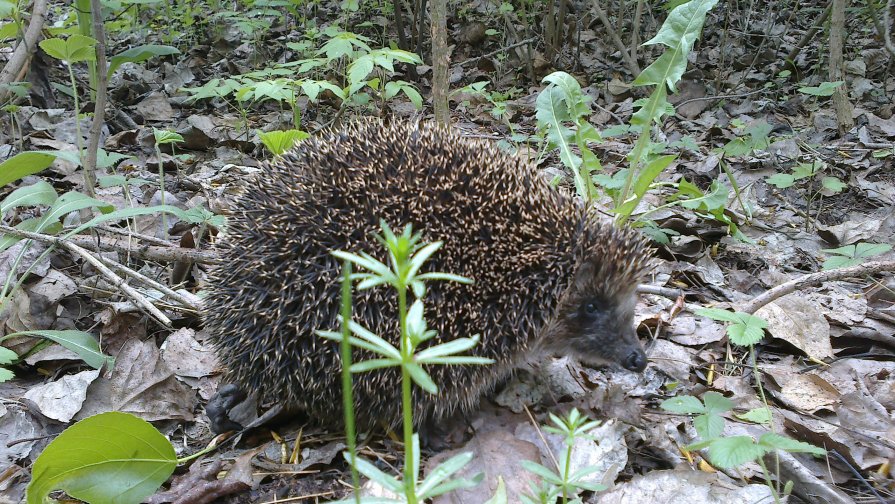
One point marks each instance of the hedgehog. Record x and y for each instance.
(549, 275)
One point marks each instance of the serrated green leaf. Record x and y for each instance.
(7, 356)
(734, 451)
(777, 442)
(709, 426)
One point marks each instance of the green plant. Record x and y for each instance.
(564, 483)
(110, 457)
(82, 343)
(278, 142)
(727, 452)
(563, 110)
(561, 102)
(808, 174)
(164, 137)
(824, 89)
(407, 254)
(852, 255)
(346, 54)
(75, 49)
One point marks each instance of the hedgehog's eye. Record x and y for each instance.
(590, 308)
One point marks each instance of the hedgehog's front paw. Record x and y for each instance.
(219, 407)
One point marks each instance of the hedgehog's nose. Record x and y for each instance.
(635, 361)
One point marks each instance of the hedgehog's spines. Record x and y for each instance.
(501, 223)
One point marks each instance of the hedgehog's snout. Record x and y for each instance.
(635, 361)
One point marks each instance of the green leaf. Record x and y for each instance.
(74, 49)
(683, 404)
(371, 364)
(67, 203)
(420, 377)
(833, 184)
(777, 442)
(39, 193)
(538, 470)
(748, 332)
(824, 89)
(6, 375)
(165, 136)
(278, 142)
(369, 470)
(733, 451)
(7, 356)
(442, 472)
(82, 343)
(111, 457)
(33, 225)
(127, 213)
(716, 403)
(781, 180)
(138, 54)
(758, 415)
(22, 165)
(709, 425)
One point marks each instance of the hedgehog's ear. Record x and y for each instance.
(584, 277)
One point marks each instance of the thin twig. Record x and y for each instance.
(619, 45)
(19, 58)
(118, 282)
(164, 289)
(143, 251)
(498, 51)
(869, 268)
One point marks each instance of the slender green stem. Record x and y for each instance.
(565, 472)
(406, 397)
(74, 90)
(161, 184)
(347, 395)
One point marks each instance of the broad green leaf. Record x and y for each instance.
(709, 425)
(279, 142)
(679, 32)
(6, 375)
(74, 49)
(683, 404)
(716, 403)
(138, 54)
(734, 451)
(758, 415)
(39, 193)
(82, 343)
(781, 180)
(824, 89)
(22, 165)
(127, 213)
(778, 442)
(833, 184)
(7, 356)
(33, 225)
(111, 458)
